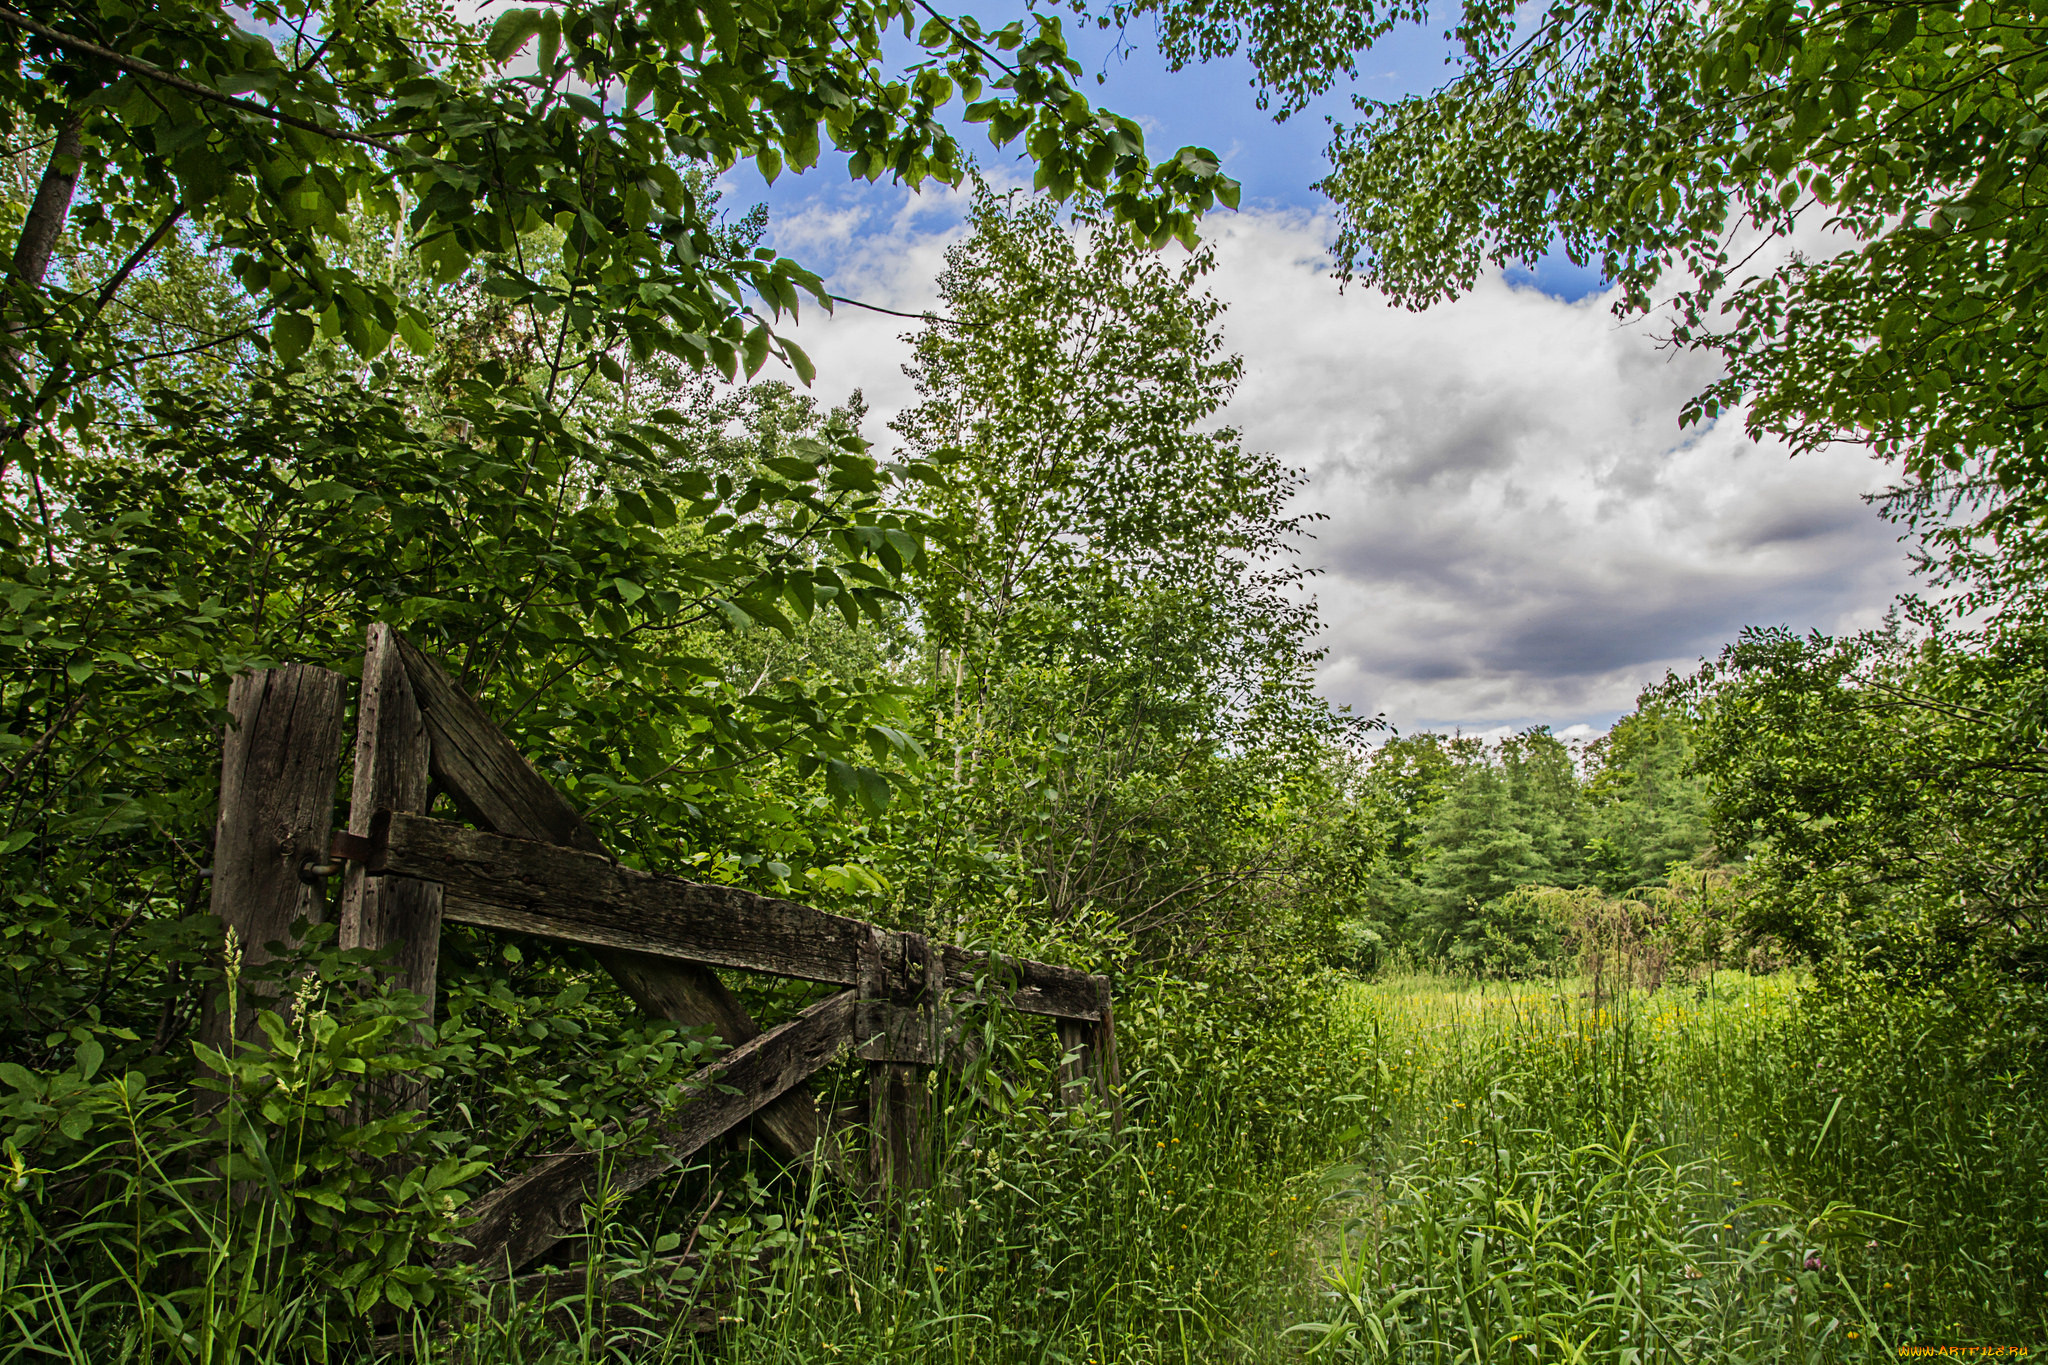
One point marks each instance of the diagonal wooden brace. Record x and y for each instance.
(493, 784)
(534, 1210)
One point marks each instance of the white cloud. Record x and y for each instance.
(1517, 529)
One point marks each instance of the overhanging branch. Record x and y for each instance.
(135, 66)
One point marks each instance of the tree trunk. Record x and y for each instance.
(38, 242)
(45, 221)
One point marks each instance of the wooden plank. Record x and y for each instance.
(694, 995)
(898, 1033)
(897, 1104)
(398, 915)
(536, 888)
(280, 758)
(539, 1207)
(1033, 987)
(1076, 1063)
(483, 772)
(899, 986)
(1108, 1076)
(495, 785)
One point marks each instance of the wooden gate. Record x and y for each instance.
(522, 859)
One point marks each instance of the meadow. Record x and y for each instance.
(1741, 1169)
(1418, 1168)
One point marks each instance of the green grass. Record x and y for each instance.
(1416, 1169)
(1733, 1173)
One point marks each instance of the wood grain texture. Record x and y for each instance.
(535, 888)
(693, 995)
(528, 1214)
(1109, 1076)
(483, 772)
(1076, 1061)
(899, 985)
(398, 915)
(897, 1104)
(495, 785)
(280, 758)
(1032, 987)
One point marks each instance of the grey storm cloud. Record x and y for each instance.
(1514, 528)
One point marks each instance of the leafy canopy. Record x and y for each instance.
(272, 129)
(1841, 199)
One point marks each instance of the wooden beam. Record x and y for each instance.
(1033, 987)
(401, 915)
(279, 761)
(1108, 1075)
(534, 1210)
(1076, 1061)
(899, 990)
(482, 771)
(494, 785)
(535, 888)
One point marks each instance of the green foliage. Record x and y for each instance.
(1747, 1175)
(1881, 783)
(1921, 1103)
(1464, 828)
(1118, 671)
(280, 1216)
(276, 141)
(1650, 806)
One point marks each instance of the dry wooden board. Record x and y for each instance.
(1032, 987)
(395, 914)
(534, 888)
(277, 775)
(490, 781)
(539, 1207)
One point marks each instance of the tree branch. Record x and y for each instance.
(136, 67)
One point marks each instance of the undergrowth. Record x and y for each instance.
(1415, 1169)
(1741, 1171)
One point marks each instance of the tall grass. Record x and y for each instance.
(1046, 1230)
(1415, 1169)
(1736, 1172)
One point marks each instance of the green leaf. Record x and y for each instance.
(510, 33)
(290, 335)
(414, 334)
(798, 361)
(792, 468)
(875, 791)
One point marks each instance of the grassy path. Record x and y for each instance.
(1666, 1177)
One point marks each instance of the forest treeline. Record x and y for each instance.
(1466, 830)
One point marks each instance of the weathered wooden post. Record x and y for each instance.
(1108, 1075)
(1088, 1054)
(279, 761)
(400, 915)
(897, 1030)
(1076, 1038)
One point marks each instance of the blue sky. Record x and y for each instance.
(1211, 105)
